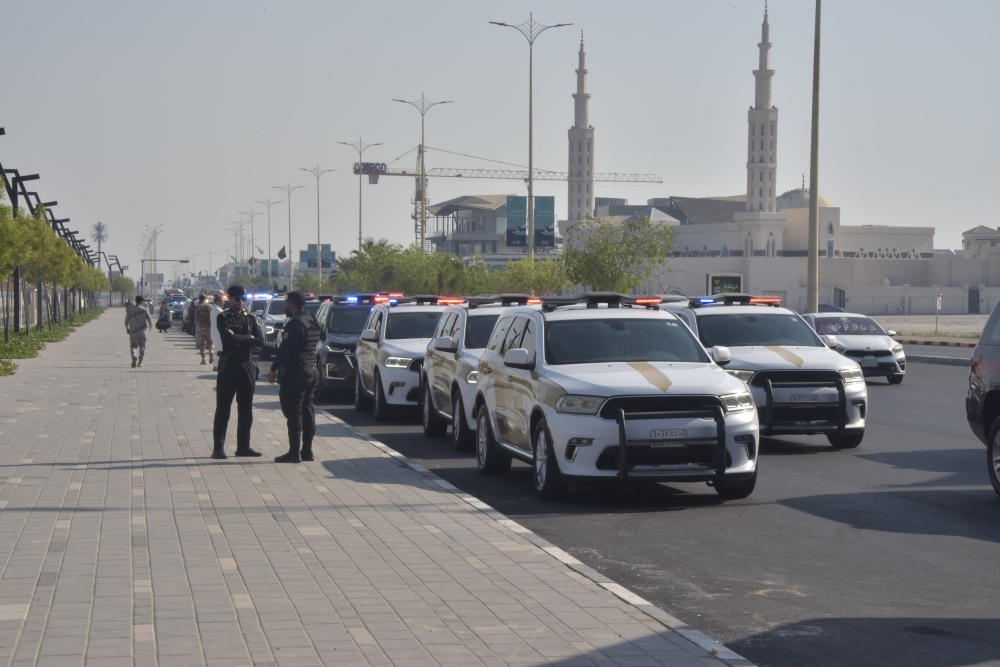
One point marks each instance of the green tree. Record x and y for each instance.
(123, 285)
(255, 282)
(616, 257)
(522, 276)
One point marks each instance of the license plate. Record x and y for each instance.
(661, 445)
(667, 433)
(805, 398)
(869, 363)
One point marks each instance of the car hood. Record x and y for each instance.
(642, 377)
(865, 342)
(787, 357)
(341, 341)
(415, 348)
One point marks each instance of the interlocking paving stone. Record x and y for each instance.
(122, 542)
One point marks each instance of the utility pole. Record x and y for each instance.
(317, 172)
(812, 278)
(360, 147)
(423, 105)
(268, 204)
(531, 30)
(288, 189)
(252, 214)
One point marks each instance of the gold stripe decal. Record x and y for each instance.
(653, 375)
(787, 355)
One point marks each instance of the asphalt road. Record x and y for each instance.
(885, 555)
(939, 351)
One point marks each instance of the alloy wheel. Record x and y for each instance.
(541, 459)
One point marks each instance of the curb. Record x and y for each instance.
(940, 343)
(943, 361)
(717, 650)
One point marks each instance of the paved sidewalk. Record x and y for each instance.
(122, 542)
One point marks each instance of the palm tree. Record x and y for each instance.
(99, 234)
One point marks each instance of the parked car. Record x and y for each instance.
(829, 308)
(342, 319)
(861, 339)
(982, 401)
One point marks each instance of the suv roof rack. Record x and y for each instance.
(734, 300)
(503, 300)
(594, 299)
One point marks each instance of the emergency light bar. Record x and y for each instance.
(595, 299)
(422, 300)
(734, 300)
(503, 300)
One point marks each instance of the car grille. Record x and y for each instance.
(868, 353)
(794, 376)
(656, 404)
(644, 455)
(824, 415)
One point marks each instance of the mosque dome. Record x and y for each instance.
(800, 199)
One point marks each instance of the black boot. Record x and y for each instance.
(247, 450)
(291, 457)
(219, 452)
(307, 451)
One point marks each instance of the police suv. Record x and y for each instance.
(342, 319)
(390, 352)
(451, 367)
(603, 387)
(800, 384)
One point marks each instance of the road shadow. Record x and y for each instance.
(956, 466)
(886, 642)
(770, 446)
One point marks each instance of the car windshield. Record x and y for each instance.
(744, 329)
(848, 326)
(348, 320)
(478, 329)
(312, 307)
(411, 325)
(593, 341)
(277, 307)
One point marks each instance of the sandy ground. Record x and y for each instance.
(911, 325)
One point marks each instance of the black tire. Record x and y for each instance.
(736, 490)
(846, 440)
(993, 456)
(548, 479)
(896, 379)
(380, 408)
(462, 438)
(490, 459)
(433, 426)
(362, 401)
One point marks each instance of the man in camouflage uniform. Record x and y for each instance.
(203, 318)
(137, 320)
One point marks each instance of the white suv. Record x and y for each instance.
(607, 388)
(799, 384)
(451, 367)
(391, 351)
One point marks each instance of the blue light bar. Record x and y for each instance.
(352, 299)
(706, 300)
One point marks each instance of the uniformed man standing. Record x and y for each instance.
(240, 333)
(203, 318)
(295, 368)
(137, 320)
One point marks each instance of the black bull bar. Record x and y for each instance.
(714, 412)
(768, 427)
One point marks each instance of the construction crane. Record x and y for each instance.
(375, 169)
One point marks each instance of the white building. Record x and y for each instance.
(581, 148)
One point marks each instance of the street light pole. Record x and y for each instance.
(252, 214)
(360, 147)
(531, 30)
(268, 204)
(812, 279)
(288, 189)
(423, 105)
(317, 172)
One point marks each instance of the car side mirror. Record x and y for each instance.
(721, 355)
(369, 335)
(259, 313)
(519, 358)
(445, 344)
(890, 332)
(829, 341)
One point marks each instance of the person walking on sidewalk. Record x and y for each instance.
(216, 340)
(295, 365)
(137, 320)
(240, 333)
(203, 317)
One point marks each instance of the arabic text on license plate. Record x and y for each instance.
(805, 398)
(667, 433)
(662, 444)
(870, 363)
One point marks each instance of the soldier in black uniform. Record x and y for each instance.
(295, 368)
(240, 333)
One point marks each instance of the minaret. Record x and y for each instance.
(581, 148)
(762, 130)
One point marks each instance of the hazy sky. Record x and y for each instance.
(183, 113)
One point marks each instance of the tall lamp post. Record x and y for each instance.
(531, 30)
(317, 172)
(252, 214)
(268, 204)
(288, 189)
(360, 147)
(423, 105)
(812, 264)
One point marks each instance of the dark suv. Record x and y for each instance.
(982, 403)
(342, 318)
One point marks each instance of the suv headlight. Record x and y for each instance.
(741, 402)
(268, 330)
(579, 405)
(897, 348)
(740, 375)
(397, 362)
(853, 375)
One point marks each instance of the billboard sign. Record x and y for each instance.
(545, 222)
(725, 284)
(517, 221)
